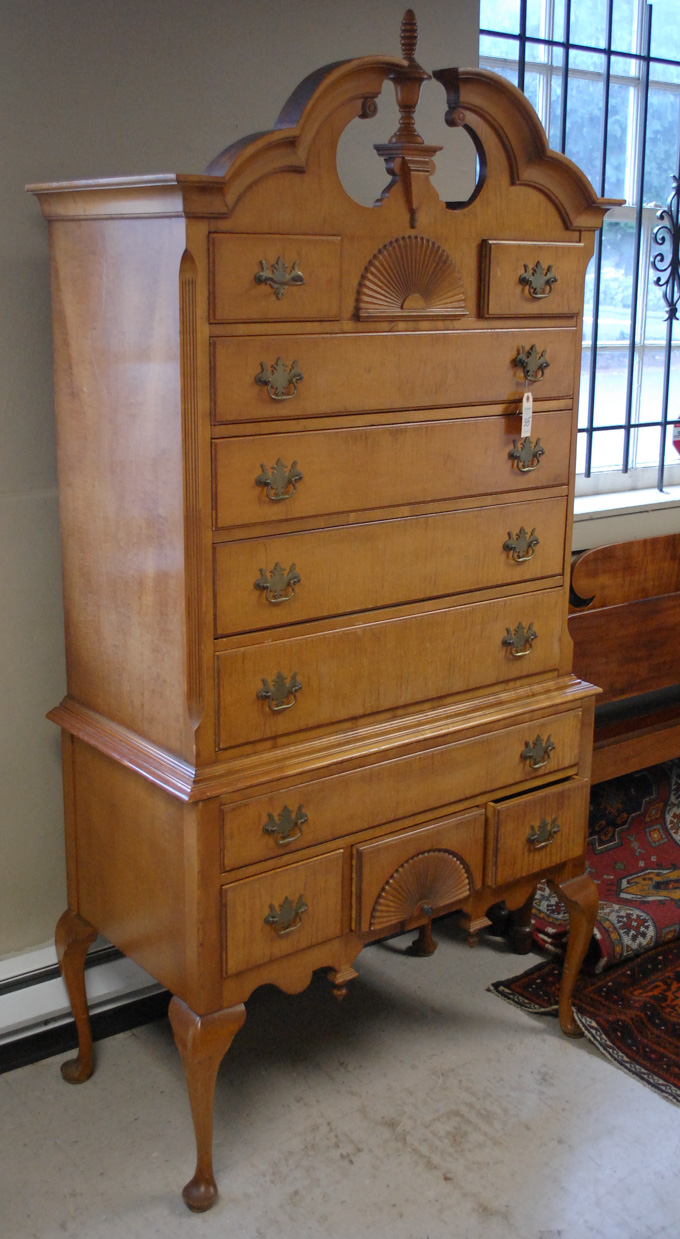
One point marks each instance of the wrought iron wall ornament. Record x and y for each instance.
(527, 454)
(278, 379)
(279, 586)
(667, 262)
(280, 482)
(542, 835)
(538, 753)
(287, 827)
(520, 641)
(521, 545)
(278, 277)
(287, 917)
(538, 282)
(532, 363)
(282, 694)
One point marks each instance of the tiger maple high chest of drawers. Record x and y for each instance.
(319, 675)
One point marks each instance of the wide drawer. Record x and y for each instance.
(301, 816)
(281, 911)
(417, 872)
(336, 471)
(264, 582)
(522, 278)
(279, 687)
(272, 278)
(305, 375)
(533, 832)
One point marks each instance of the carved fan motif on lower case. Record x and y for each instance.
(411, 276)
(433, 879)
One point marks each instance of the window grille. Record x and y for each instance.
(604, 77)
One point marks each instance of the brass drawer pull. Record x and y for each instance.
(527, 454)
(278, 277)
(278, 694)
(520, 641)
(288, 918)
(538, 753)
(279, 586)
(532, 363)
(521, 546)
(281, 482)
(287, 827)
(279, 379)
(538, 282)
(543, 835)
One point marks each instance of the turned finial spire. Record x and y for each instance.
(409, 36)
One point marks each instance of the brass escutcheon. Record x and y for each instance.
(279, 586)
(520, 641)
(527, 454)
(277, 695)
(278, 277)
(287, 827)
(532, 363)
(538, 753)
(538, 282)
(541, 836)
(521, 546)
(288, 917)
(278, 379)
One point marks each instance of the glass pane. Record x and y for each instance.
(644, 448)
(665, 73)
(624, 26)
(584, 125)
(531, 90)
(611, 385)
(607, 450)
(618, 244)
(584, 389)
(663, 117)
(499, 15)
(538, 52)
(623, 66)
(506, 49)
(588, 23)
(555, 113)
(665, 29)
(589, 293)
(621, 99)
(536, 18)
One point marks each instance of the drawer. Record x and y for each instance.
(337, 471)
(389, 791)
(359, 372)
(271, 278)
(531, 278)
(364, 669)
(282, 911)
(435, 866)
(264, 582)
(533, 832)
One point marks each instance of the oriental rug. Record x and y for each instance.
(634, 859)
(631, 1012)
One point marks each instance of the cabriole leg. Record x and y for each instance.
(73, 936)
(580, 898)
(202, 1041)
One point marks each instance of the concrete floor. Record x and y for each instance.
(422, 1107)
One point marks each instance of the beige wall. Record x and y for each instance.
(103, 88)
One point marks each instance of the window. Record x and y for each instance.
(604, 77)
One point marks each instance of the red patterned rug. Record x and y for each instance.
(634, 860)
(631, 1013)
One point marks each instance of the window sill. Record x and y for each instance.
(625, 516)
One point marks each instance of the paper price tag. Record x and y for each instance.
(527, 412)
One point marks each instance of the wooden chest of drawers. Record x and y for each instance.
(319, 675)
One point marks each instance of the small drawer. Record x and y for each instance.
(281, 912)
(274, 478)
(273, 278)
(534, 832)
(527, 278)
(282, 376)
(264, 582)
(301, 816)
(279, 687)
(417, 872)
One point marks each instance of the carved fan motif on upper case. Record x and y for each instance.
(411, 275)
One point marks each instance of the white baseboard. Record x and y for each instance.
(33, 996)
